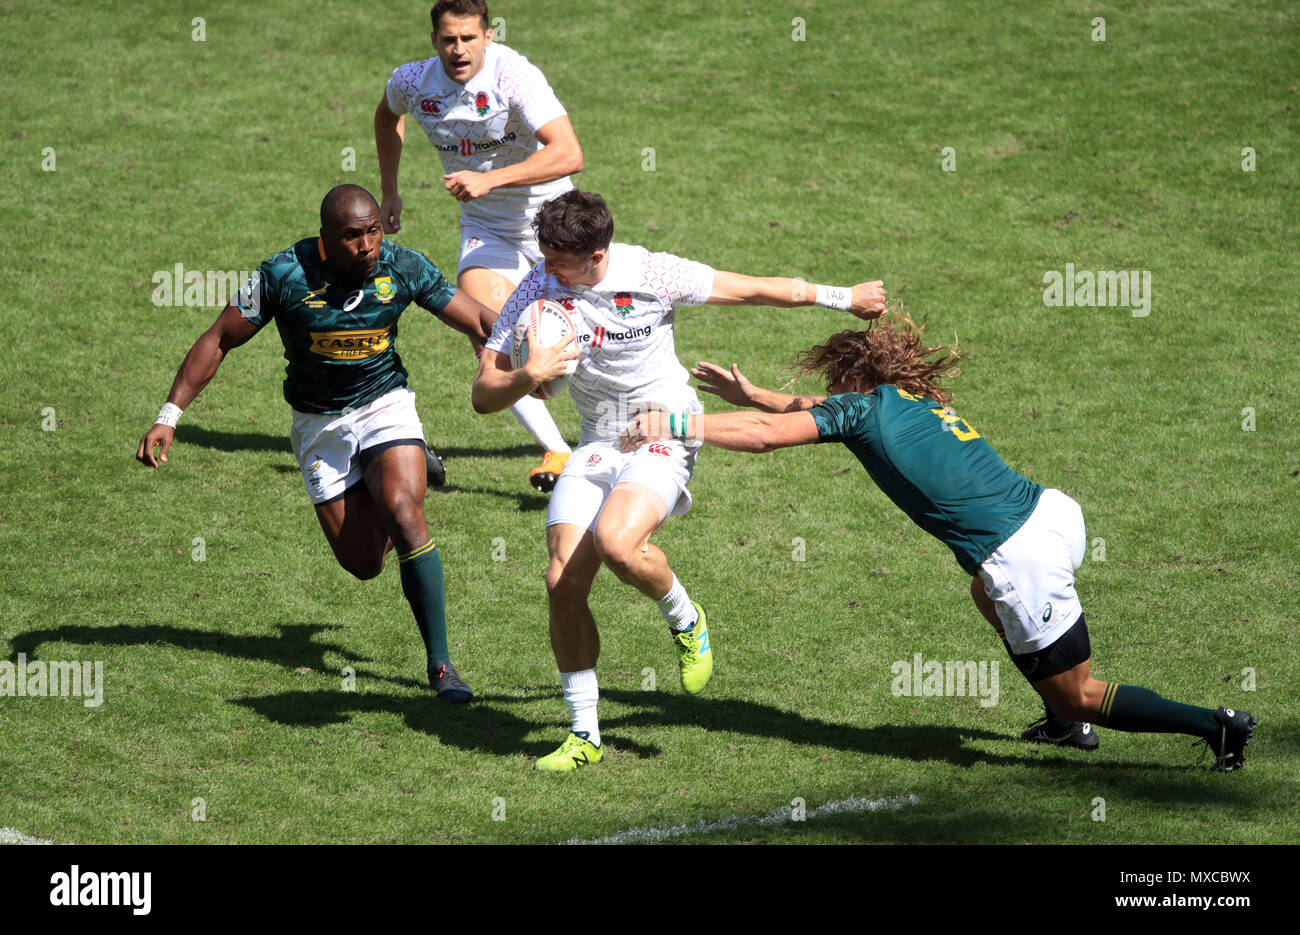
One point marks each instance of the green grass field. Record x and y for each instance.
(822, 158)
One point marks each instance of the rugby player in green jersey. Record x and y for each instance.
(336, 301)
(1021, 544)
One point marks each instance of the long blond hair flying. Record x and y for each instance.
(889, 351)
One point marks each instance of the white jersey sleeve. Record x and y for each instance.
(529, 290)
(526, 90)
(404, 87)
(676, 281)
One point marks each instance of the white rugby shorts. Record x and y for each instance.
(1030, 577)
(511, 255)
(664, 467)
(327, 445)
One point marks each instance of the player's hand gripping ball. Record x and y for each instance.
(543, 324)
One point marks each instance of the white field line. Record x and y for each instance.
(773, 819)
(11, 836)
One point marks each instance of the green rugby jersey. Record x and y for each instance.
(338, 331)
(934, 466)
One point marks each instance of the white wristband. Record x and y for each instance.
(836, 297)
(169, 415)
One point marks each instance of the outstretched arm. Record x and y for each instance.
(469, 316)
(229, 331)
(735, 389)
(737, 431)
(865, 300)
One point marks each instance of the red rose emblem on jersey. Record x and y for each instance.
(481, 103)
(623, 302)
(430, 106)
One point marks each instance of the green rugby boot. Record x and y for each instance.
(695, 655)
(576, 751)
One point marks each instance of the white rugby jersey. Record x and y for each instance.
(487, 123)
(625, 334)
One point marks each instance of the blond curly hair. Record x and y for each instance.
(889, 351)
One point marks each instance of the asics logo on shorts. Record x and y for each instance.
(1047, 614)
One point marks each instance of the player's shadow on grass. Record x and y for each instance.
(232, 441)
(528, 500)
(451, 452)
(294, 647)
(1154, 781)
(483, 725)
(913, 742)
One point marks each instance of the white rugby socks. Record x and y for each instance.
(581, 693)
(677, 608)
(534, 416)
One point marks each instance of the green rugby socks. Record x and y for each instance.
(1128, 707)
(422, 583)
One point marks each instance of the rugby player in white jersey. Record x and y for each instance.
(506, 146)
(607, 503)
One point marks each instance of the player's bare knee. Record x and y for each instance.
(363, 568)
(554, 579)
(620, 562)
(563, 584)
(617, 552)
(406, 507)
(408, 519)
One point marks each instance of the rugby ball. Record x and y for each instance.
(548, 323)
